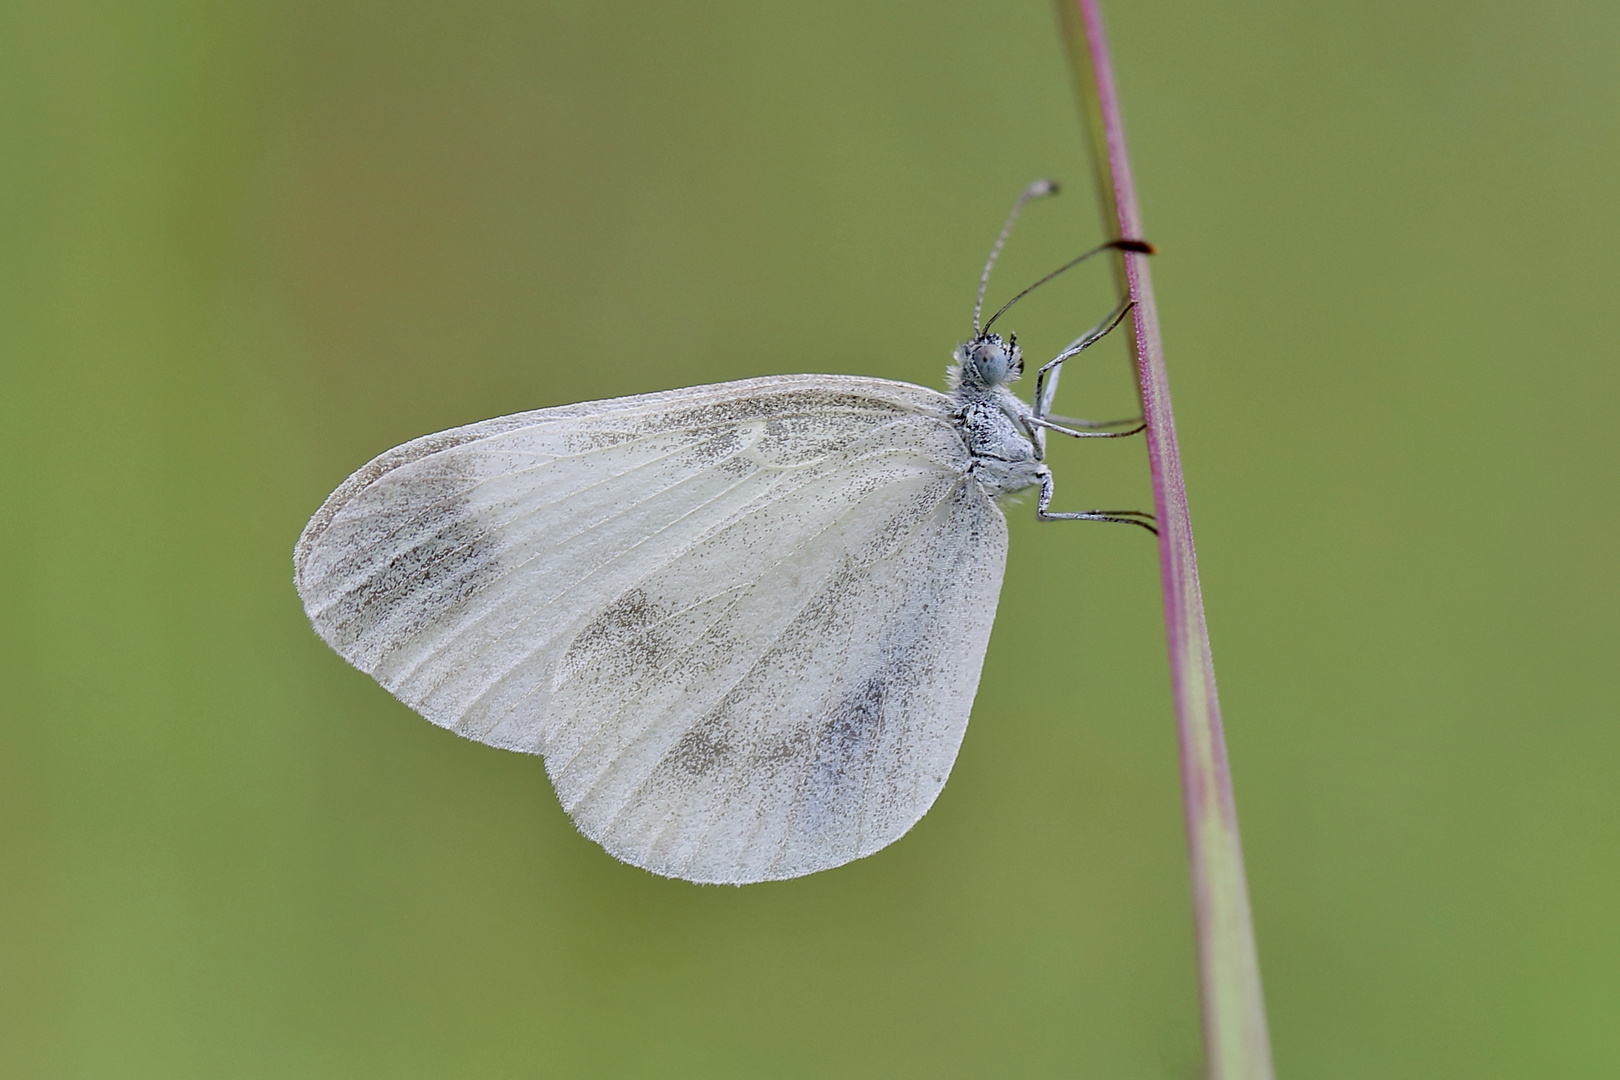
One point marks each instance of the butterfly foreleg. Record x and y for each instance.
(1046, 379)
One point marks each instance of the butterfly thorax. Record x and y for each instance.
(992, 419)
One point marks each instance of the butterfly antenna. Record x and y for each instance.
(1141, 246)
(1039, 189)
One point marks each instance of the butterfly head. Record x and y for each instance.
(988, 361)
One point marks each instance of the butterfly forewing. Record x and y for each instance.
(744, 623)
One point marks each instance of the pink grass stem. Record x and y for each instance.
(1236, 1044)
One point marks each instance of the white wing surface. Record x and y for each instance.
(744, 623)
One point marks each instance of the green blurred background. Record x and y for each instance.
(248, 246)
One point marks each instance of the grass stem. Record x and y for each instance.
(1236, 1044)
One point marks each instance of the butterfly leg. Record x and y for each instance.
(1046, 379)
(1092, 425)
(1123, 517)
(1047, 425)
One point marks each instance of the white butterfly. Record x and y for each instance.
(743, 623)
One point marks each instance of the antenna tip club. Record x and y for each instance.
(1141, 246)
(1041, 188)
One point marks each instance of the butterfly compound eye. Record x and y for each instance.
(996, 362)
